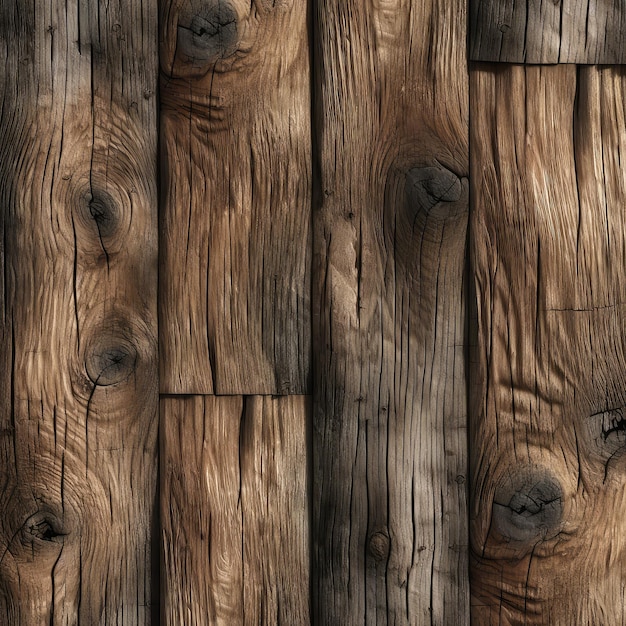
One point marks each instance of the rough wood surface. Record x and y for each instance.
(548, 388)
(236, 183)
(78, 285)
(554, 31)
(234, 510)
(389, 442)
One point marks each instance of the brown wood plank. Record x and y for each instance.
(234, 510)
(78, 425)
(547, 386)
(555, 31)
(236, 174)
(389, 442)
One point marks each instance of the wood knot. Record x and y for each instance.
(208, 35)
(424, 206)
(42, 526)
(528, 507)
(39, 538)
(115, 376)
(111, 359)
(433, 190)
(103, 213)
(379, 545)
(97, 224)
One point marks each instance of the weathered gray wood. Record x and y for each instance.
(389, 442)
(78, 283)
(236, 173)
(550, 31)
(234, 510)
(547, 379)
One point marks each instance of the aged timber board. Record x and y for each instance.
(547, 379)
(234, 510)
(236, 197)
(78, 265)
(389, 439)
(548, 31)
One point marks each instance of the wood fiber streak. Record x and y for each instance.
(234, 510)
(547, 383)
(550, 31)
(78, 242)
(389, 440)
(236, 207)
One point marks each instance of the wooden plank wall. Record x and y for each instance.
(384, 164)
(78, 286)
(314, 201)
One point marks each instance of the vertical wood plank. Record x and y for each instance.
(78, 311)
(389, 441)
(547, 386)
(234, 510)
(236, 172)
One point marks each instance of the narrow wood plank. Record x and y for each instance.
(389, 503)
(78, 426)
(558, 31)
(548, 388)
(234, 510)
(236, 172)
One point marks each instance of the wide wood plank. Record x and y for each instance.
(236, 207)
(548, 388)
(558, 31)
(389, 442)
(234, 510)
(78, 424)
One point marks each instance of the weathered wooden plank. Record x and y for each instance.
(234, 510)
(78, 283)
(548, 389)
(236, 172)
(558, 31)
(389, 503)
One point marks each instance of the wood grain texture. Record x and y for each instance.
(78, 422)
(389, 442)
(547, 382)
(234, 510)
(236, 183)
(554, 31)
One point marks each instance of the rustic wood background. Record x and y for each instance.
(261, 364)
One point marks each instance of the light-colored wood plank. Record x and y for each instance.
(547, 382)
(236, 172)
(389, 442)
(555, 31)
(234, 510)
(78, 426)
